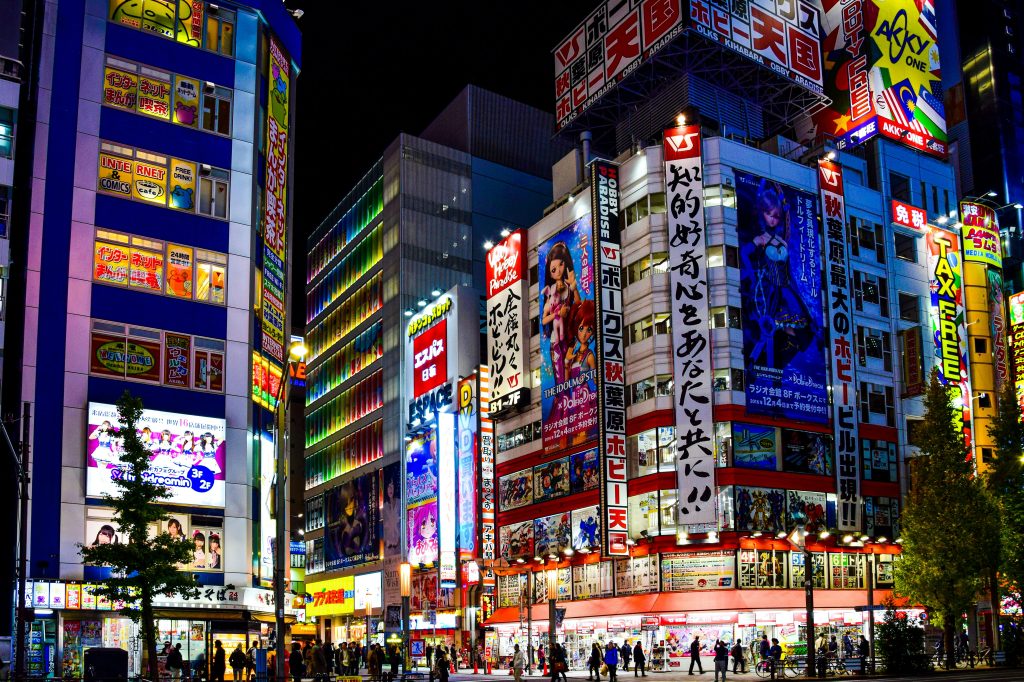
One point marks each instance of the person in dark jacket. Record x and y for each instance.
(721, 659)
(738, 660)
(175, 662)
(219, 663)
(775, 657)
(295, 664)
(639, 660)
(695, 655)
(594, 663)
(625, 653)
(558, 663)
(237, 662)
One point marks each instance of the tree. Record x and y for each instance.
(147, 564)
(950, 523)
(1006, 481)
(900, 642)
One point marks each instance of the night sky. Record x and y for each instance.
(371, 70)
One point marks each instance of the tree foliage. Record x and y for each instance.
(950, 526)
(1006, 481)
(899, 641)
(146, 565)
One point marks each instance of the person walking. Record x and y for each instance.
(774, 656)
(721, 659)
(864, 649)
(443, 664)
(639, 660)
(737, 658)
(847, 646)
(518, 663)
(625, 653)
(765, 650)
(237, 662)
(295, 663)
(219, 667)
(319, 662)
(611, 659)
(250, 660)
(594, 663)
(175, 662)
(560, 662)
(540, 657)
(695, 655)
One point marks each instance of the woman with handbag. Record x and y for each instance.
(558, 663)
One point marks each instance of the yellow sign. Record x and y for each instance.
(110, 263)
(115, 175)
(179, 271)
(182, 191)
(982, 245)
(150, 182)
(332, 597)
(120, 88)
(186, 101)
(147, 270)
(190, 22)
(155, 97)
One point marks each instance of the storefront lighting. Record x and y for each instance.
(883, 539)
(898, 541)
(823, 535)
(1017, 205)
(990, 193)
(408, 312)
(520, 561)
(831, 156)
(435, 293)
(864, 538)
(781, 534)
(681, 120)
(847, 539)
(300, 531)
(756, 534)
(569, 551)
(713, 536)
(630, 542)
(488, 245)
(421, 303)
(538, 559)
(505, 232)
(553, 557)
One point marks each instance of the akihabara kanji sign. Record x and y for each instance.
(506, 323)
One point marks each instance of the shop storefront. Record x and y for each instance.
(345, 608)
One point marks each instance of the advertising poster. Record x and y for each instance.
(115, 175)
(110, 263)
(468, 444)
(120, 88)
(150, 182)
(949, 324)
(430, 358)
(392, 510)
(183, 185)
(698, 571)
(997, 327)
(568, 374)
(131, 358)
(188, 454)
(186, 101)
(179, 271)
(267, 528)
(551, 480)
(584, 471)
(146, 270)
(208, 545)
(551, 534)
(421, 468)
(517, 541)
(780, 281)
(101, 529)
(807, 510)
(586, 532)
(421, 525)
(807, 453)
(155, 97)
(762, 568)
(515, 490)
(753, 446)
(352, 536)
(107, 355)
(190, 22)
(447, 519)
(507, 345)
(981, 234)
(760, 509)
(177, 359)
(879, 458)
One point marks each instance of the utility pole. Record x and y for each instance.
(22, 610)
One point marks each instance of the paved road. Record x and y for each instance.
(979, 675)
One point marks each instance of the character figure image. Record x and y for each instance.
(392, 505)
(199, 555)
(104, 452)
(586, 536)
(580, 362)
(559, 294)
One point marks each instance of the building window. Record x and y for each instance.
(658, 202)
(521, 436)
(906, 246)
(180, 21)
(876, 345)
(719, 256)
(877, 404)
(220, 30)
(910, 307)
(726, 316)
(650, 451)
(656, 263)
(659, 323)
(637, 211)
(980, 346)
(871, 290)
(728, 379)
(899, 187)
(5, 211)
(866, 239)
(217, 109)
(6, 133)
(213, 192)
(720, 195)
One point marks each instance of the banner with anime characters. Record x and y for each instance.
(551, 534)
(807, 510)
(807, 453)
(516, 540)
(568, 374)
(187, 454)
(586, 531)
(780, 281)
(352, 536)
(760, 509)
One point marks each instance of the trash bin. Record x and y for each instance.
(105, 663)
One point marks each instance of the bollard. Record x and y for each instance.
(488, 666)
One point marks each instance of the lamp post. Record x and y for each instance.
(369, 610)
(296, 352)
(405, 589)
(552, 598)
(798, 538)
(529, 619)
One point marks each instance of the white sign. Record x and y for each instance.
(507, 344)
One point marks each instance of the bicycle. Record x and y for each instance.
(793, 666)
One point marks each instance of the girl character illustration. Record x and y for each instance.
(580, 362)
(213, 555)
(783, 323)
(424, 533)
(106, 536)
(559, 294)
(208, 452)
(104, 437)
(392, 525)
(817, 457)
(199, 555)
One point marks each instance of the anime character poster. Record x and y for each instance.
(352, 536)
(421, 468)
(586, 531)
(421, 535)
(753, 446)
(583, 471)
(760, 509)
(807, 453)
(551, 480)
(807, 510)
(392, 515)
(515, 490)
(568, 374)
(517, 540)
(551, 534)
(780, 281)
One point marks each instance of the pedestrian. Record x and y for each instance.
(765, 649)
(329, 657)
(847, 646)
(174, 662)
(295, 662)
(695, 655)
(864, 649)
(199, 671)
(393, 656)
(611, 659)
(737, 658)
(833, 648)
(219, 667)
(774, 655)
(559, 664)
(319, 662)
(626, 653)
(250, 660)
(430, 662)
(518, 663)
(237, 662)
(721, 659)
(540, 657)
(594, 663)
(442, 665)
(639, 660)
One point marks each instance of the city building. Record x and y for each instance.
(157, 254)
(412, 229)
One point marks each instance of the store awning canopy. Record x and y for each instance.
(682, 602)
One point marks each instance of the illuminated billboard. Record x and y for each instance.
(468, 445)
(981, 234)
(1016, 343)
(352, 535)
(187, 454)
(507, 345)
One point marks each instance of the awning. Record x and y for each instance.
(676, 602)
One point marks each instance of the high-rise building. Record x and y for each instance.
(415, 226)
(157, 256)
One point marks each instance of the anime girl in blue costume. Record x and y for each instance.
(782, 318)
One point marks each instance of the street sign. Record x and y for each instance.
(873, 607)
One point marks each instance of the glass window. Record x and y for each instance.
(906, 246)
(6, 133)
(762, 568)
(641, 269)
(642, 390)
(643, 515)
(220, 30)
(5, 211)
(899, 187)
(657, 202)
(873, 290)
(669, 511)
(664, 385)
(720, 195)
(217, 109)
(726, 316)
(213, 192)
(728, 379)
(910, 307)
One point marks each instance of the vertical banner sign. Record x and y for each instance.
(684, 194)
(949, 327)
(1017, 345)
(488, 530)
(275, 224)
(840, 323)
(981, 234)
(467, 478)
(506, 322)
(446, 453)
(913, 367)
(611, 389)
(998, 328)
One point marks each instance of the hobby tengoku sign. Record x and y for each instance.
(506, 322)
(684, 194)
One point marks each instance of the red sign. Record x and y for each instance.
(906, 215)
(430, 358)
(505, 263)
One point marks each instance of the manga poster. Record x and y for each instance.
(807, 453)
(760, 509)
(551, 480)
(807, 510)
(753, 446)
(551, 534)
(780, 281)
(421, 526)
(586, 531)
(517, 540)
(515, 490)
(353, 529)
(583, 471)
(568, 374)
(392, 514)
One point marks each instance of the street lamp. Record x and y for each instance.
(369, 610)
(798, 538)
(296, 352)
(405, 588)
(552, 598)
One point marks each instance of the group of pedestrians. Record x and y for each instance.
(321, 661)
